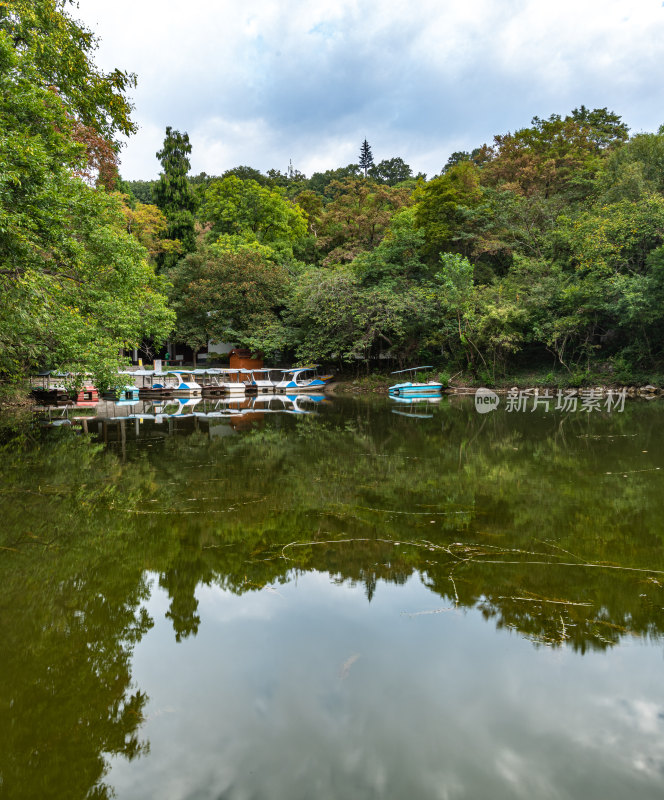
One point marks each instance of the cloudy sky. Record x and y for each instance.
(261, 82)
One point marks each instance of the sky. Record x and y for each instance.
(263, 83)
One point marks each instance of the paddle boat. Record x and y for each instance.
(302, 379)
(153, 384)
(52, 394)
(265, 379)
(125, 393)
(413, 388)
(225, 381)
(59, 392)
(182, 383)
(88, 396)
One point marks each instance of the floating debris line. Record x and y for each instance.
(475, 553)
(426, 613)
(625, 473)
(228, 510)
(542, 600)
(410, 513)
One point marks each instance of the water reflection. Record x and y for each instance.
(549, 524)
(546, 525)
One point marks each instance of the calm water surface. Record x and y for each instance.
(347, 603)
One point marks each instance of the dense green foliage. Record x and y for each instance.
(76, 287)
(541, 250)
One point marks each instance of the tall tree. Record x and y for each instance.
(173, 193)
(366, 157)
(76, 287)
(58, 51)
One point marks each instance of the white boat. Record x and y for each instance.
(183, 383)
(153, 384)
(413, 388)
(302, 379)
(228, 381)
(264, 379)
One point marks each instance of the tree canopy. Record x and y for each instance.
(541, 247)
(76, 286)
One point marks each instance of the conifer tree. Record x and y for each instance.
(173, 193)
(366, 158)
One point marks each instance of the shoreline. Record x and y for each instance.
(337, 388)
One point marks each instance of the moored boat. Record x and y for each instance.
(302, 379)
(183, 383)
(415, 388)
(225, 382)
(153, 384)
(53, 393)
(125, 393)
(265, 379)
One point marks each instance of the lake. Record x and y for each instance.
(350, 598)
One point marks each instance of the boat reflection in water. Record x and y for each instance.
(248, 408)
(415, 407)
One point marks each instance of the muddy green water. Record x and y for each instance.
(350, 603)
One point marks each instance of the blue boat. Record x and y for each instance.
(302, 379)
(415, 388)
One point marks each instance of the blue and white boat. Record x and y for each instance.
(302, 379)
(182, 383)
(264, 379)
(226, 381)
(413, 388)
(153, 384)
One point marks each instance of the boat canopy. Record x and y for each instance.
(410, 369)
(297, 370)
(186, 371)
(222, 371)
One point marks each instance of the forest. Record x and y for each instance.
(541, 251)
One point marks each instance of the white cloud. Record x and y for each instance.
(262, 82)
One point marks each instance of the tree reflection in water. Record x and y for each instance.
(550, 525)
